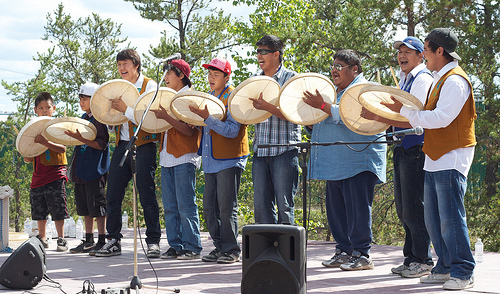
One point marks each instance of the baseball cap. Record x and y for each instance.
(88, 89)
(184, 67)
(444, 37)
(219, 63)
(410, 42)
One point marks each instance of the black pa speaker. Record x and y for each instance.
(25, 267)
(274, 259)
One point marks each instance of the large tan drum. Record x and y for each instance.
(182, 101)
(293, 107)
(55, 129)
(151, 124)
(100, 103)
(241, 107)
(350, 112)
(371, 96)
(25, 141)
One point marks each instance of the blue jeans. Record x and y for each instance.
(275, 180)
(409, 198)
(349, 211)
(446, 222)
(181, 212)
(118, 179)
(220, 208)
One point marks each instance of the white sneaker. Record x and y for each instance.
(416, 270)
(433, 278)
(457, 284)
(399, 269)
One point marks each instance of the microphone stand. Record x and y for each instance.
(136, 283)
(304, 149)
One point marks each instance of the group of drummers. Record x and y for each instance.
(211, 128)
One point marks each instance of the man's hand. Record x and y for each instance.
(160, 113)
(396, 106)
(201, 112)
(75, 135)
(366, 114)
(118, 104)
(260, 103)
(313, 100)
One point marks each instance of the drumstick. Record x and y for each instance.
(394, 76)
(378, 76)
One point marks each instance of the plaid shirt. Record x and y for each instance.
(275, 130)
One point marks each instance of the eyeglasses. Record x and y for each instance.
(265, 51)
(338, 66)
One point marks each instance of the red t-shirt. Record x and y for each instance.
(45, 174)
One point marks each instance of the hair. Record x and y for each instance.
(350, 57)
(273, 43)
(43, 96)
(178, 72)
(214, 68)
(433, 47)
(130, 54)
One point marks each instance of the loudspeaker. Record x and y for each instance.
(274, 259)
(25, 267)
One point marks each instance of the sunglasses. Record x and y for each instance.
(265, 51)
(338, 66)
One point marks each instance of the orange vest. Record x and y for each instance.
(229, 148)
(143, 137)
(53, 158)
(179, 144)
(460, 132)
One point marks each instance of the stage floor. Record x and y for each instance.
(195, 276)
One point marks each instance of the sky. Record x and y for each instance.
(22, 28)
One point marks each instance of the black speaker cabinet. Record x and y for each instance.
(25, 267)
(274, 259)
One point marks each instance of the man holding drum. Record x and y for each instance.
(448, 120)
(129, 66)
(275, 170)
(351, 175)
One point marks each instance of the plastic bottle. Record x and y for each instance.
(124, 220)
(48, 232)
(478, 251)
(53, 229)
(27, 226)
(79, 229)
(71, 228)
(34, 228)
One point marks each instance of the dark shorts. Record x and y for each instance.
(90, 198)
(49, 198)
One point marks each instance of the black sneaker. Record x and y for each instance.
(111, 248)
(228, 258)
(84, 247)
(44, 242)
(96, 248)
(213, 256)
(170, 254)
(188, 255)
(153, 251)
(62, 245)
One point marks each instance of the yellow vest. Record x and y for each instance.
(179, 144)
(229, 148)
(460, 132)
(143, 137)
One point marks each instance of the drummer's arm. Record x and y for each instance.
(28, 159)
(316, 101)
(51, 145)
(366, 114)
(178, 125)
(262, 104)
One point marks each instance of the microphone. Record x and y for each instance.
(172, 57)
(415, 131)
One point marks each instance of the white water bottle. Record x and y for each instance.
(478, 254)
(27, 226)
(48, 232)
(79, 229)
(124, 220)
(72, 228)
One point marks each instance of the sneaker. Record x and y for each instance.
(457, 284)
(111, 248)
(187, 255)
(228, 258)
(153, 251)
(171, 253)
(434, 278)
(336, 260)
(62, 245)
(416, 270)
(84, 247)
(213, 256)
(44, 242)
(399, 269)
(96, 248)
(358, 262)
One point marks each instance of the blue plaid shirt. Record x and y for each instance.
(275, 130)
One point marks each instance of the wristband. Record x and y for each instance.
(323, 106)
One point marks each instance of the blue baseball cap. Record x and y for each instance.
(410, 42)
